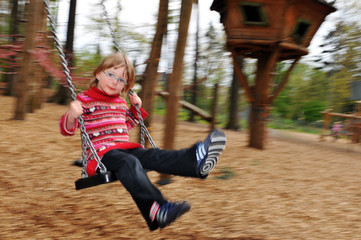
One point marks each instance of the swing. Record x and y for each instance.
(103, 176)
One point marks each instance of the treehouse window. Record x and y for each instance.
(302, 26)
(253, 13)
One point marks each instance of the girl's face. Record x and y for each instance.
(112, 80)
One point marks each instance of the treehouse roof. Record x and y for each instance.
(256, 26)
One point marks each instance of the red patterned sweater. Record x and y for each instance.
(107, 120)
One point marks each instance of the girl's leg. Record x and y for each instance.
(196, 161)
(176, 162)
(131, 174)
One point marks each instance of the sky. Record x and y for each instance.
(131, 13)
(145, 15)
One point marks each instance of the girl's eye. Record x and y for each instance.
(111, 75)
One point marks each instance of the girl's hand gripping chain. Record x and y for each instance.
(74, 111)
(135, 99)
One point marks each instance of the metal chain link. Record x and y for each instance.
(142, 139)
(86, 142)
(112, 32)
(143, 129)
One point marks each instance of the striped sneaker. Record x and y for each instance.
(208, 151)
(169, 212)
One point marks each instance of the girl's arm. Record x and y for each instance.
(75, 110)
(69, 121)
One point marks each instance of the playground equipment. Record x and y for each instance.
(269, 31)
(41, 55)
(104, 176)
(350, 128)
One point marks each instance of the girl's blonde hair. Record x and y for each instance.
(116, 60)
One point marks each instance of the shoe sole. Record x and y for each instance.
(216, 146)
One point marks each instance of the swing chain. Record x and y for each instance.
(142, 136)
(112, 32)
(86, 142)
(143, 129)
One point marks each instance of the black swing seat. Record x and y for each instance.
(95, 180)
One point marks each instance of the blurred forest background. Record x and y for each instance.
(328, 78)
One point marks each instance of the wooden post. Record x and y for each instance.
(243, 81)
(26, 73)
(233, 114)
(175, 81)
(176, 78)
(151, 73)
(35, 96)
(265, 66)
(214, 106)
(14, 30)
(326, 123)
(280, 87)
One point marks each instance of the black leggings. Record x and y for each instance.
(128, 165)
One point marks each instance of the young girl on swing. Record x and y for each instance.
(108, 119)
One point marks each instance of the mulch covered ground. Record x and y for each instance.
(297, 188)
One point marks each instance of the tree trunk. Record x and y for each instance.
(62, 95)
(195, 75)
(175, 82)
(214, 106)
(10, 78)
(257, 126)
(35, 87)
(265, 65)
(26, 73)
(176, 78)
(151, 72)
(70, 32)
(233, 114)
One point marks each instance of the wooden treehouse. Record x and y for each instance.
(269, 31)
